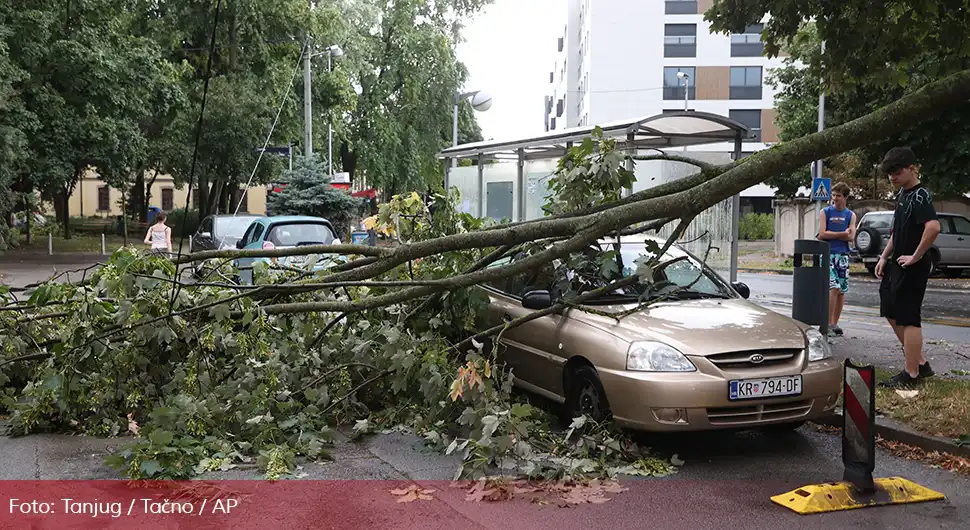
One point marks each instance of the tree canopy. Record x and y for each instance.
(118, 85)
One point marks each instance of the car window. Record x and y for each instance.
(536, 279)
(248, 236)
(878, 221)
(293, 234)
(945, 227)
(232, 226)
(206, 225)
(257, 233)
(685, 273)
(961, 225)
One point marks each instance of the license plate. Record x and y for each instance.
(764, 388)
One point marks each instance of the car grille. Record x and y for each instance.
(742, 359)
(758, 413)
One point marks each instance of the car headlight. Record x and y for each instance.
(818, 345)
(650, 356)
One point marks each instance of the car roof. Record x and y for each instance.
(295, 219)
(890, 212)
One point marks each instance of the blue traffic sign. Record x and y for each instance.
(821, 189)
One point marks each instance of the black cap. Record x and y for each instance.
(897, 158)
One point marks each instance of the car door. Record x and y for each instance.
(947, 242)
(203, 238)
(530, 349)
(251, 234)
(961, 230)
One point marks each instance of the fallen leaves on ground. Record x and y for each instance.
(957, 464)
(565, 493)
(413, 493)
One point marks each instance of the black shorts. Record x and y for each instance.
(901, 292)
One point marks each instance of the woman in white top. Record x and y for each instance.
(159, 235)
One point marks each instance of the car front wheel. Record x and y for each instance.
(585, 395)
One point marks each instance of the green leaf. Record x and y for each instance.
(150, 468)
(160, 437)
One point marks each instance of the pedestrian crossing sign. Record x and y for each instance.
(821, 189)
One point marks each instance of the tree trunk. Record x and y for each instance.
(203, 193)
(214, 195)
(64, 198)
(143, 215)
(137, 201)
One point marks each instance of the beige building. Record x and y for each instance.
(92, 197)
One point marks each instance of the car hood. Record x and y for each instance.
(703, 327)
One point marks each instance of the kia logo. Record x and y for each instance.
(757, 358)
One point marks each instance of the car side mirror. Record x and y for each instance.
(742, 289)
(240, 244)
(537, 300)
(206, 235)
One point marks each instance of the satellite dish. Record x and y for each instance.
(481, 101)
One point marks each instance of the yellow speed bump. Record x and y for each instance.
(838, 496)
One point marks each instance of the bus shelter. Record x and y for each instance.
(508, 179)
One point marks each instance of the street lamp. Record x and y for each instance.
(331, 51)
(686, 77)
(481, 102)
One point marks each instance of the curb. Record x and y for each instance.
(897, 432)
(786, 272)
(53, 259)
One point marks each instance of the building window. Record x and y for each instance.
(751, 118)
(552, 124)
(680, 40)
(745, 82)
(104, 199)
(748, 44)
(680, 7)
(168, 199)
(560, 43)
(674, 86)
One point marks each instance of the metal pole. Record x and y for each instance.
(821, 127)
(735, 219)
(102, 244)
(330, 119)
(307, 112)
(454, 128)
(50, 243)
(875, 181)
(686, 93)
(290, 152)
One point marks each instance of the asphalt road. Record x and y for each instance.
(938, 302)
(726, 482)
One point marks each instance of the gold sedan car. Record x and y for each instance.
(701, 358)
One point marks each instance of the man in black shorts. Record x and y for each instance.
(904, 265)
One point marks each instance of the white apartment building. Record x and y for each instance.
(619, 59)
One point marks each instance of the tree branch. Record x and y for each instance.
(674, 158)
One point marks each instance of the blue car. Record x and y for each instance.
(286, 231)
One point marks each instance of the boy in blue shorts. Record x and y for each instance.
(837, 225)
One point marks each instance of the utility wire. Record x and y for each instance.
(195, 150)
(285, 96)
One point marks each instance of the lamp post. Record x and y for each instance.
(331, 51)
(481, 102)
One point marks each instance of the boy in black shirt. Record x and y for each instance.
(904, 266)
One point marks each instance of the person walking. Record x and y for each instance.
(904, 266)
(837, 225)
(159, 235)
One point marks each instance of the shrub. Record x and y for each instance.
(755, 226)
(183, 222)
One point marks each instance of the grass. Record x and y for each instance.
(942, 407)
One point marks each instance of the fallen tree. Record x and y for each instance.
(212, 374)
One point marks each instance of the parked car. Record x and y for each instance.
(286, 231)
(703, 359)
(217, 232)
(950, 253)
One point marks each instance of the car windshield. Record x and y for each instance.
(678, 275)
(232, 227)
(301, 233)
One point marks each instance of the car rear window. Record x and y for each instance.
(299, 233)
(878, 220)
(233, 226)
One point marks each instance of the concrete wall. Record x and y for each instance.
(796, 219)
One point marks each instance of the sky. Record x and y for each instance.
(509, 50)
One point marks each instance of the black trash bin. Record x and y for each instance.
(810, 284)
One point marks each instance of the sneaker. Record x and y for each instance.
(837, 330)
(902, 379)
(832, 333)
(925, 370)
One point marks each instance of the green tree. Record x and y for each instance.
(307, 191)
(408, 75)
